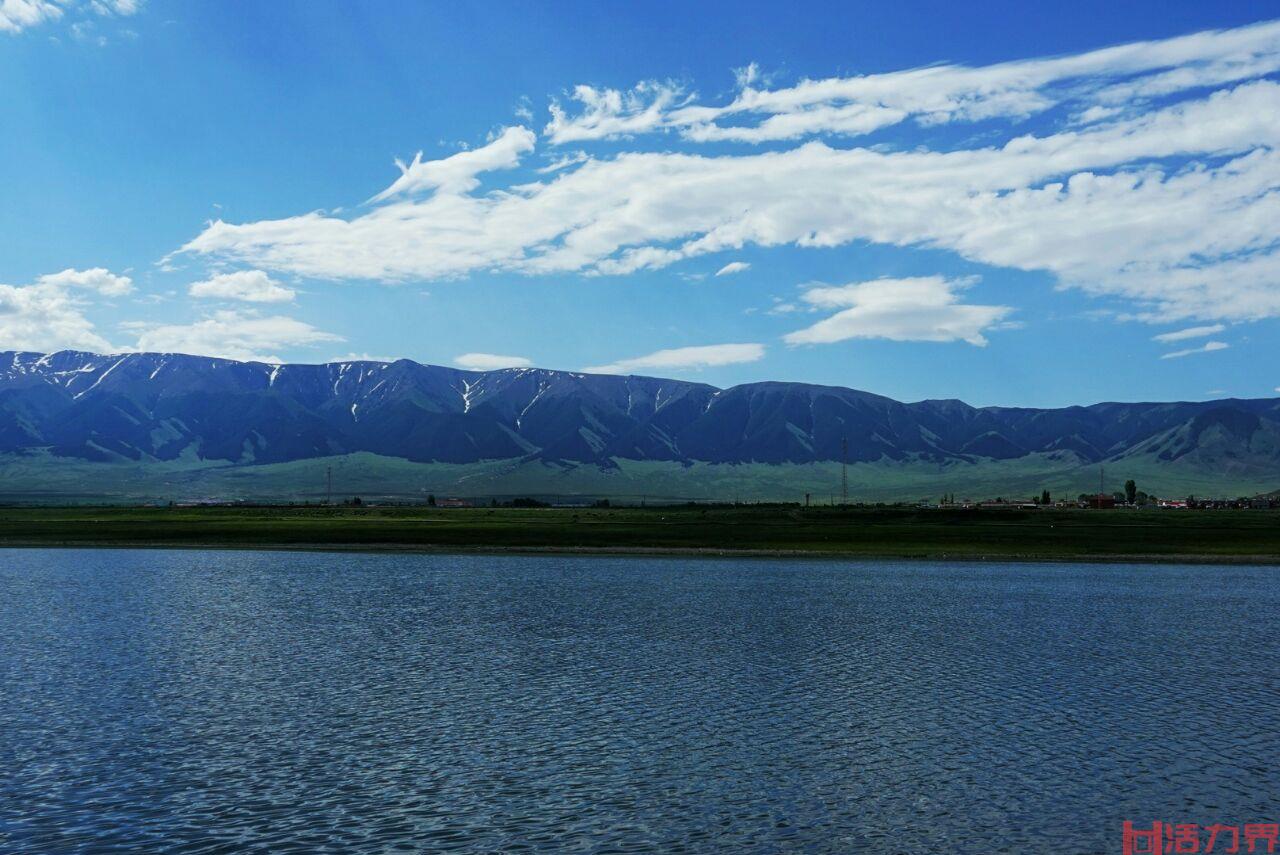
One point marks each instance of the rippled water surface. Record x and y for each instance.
(240, 701)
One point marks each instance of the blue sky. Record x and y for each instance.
(1029, 220)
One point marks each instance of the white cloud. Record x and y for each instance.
(17, 15)
(1207, 347)
(1189, 332)
(1171, 208)
(233, 335)
(49, 314)
(923, 308)
(733, 267)
(250, 286)
(98, 279)
(86, 31)
(571, 159)
(362, 357)
(456, 174)
(608, 113)
(490, 361)
(683, 358)
(45, 318)
(123, 8)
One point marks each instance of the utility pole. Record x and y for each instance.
(328, 485)
(844, 471)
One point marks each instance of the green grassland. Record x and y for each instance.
(46, 479)
(867, 531)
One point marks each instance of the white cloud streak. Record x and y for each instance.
(733, 267)
(1207, 347)
(490, 361)
(925, 308)
(684, 358)
(1190, 332)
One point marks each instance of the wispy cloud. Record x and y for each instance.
(1189, 332)
(684, 358)
(490, 361)
(1207, 347)
(926, 308)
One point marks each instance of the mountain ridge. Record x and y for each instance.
(143, 407)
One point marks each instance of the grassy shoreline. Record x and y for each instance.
(743, 531)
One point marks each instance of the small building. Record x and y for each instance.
(1102, 502)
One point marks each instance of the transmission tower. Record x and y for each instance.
(844, 471)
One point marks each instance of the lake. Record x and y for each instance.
(192, 701)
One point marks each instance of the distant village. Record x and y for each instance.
(1131, 498)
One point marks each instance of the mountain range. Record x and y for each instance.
(145, 409)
